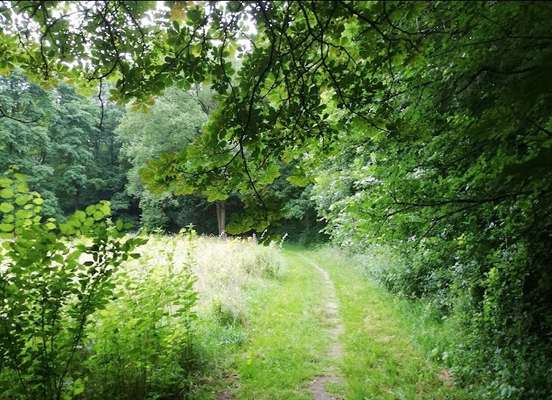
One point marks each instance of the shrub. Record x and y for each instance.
(500, 350)
(141, 345)
(52, 278)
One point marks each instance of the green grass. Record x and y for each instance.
(282, 344)
(274, 351)
(287, 341)
(213, 355)
(382, 359)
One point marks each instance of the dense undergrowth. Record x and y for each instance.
(148, 342)
(84, 317)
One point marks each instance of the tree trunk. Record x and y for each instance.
(221, 218)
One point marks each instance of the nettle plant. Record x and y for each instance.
(53, 276)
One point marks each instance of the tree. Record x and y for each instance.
(64, 141)
(168, 126)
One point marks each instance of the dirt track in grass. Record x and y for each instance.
(318, 386)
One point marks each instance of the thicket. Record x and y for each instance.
(458, 183)
(78, 149)
(51, 281)
(141, 345)
(169, 125)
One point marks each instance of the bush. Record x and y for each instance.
(77, 322)
(501, 351)
(141, 345)
(52, 279)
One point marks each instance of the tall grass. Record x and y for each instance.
(223, 269)
(226, 269)
(411, 340)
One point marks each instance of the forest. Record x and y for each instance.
(275, 200)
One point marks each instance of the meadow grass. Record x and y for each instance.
(261, 329)
(225, 275)
(281, 344)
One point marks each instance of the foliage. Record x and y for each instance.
(296, 217)
(169, 125)
(153, 340)
(52, 279)
(90, 327)
(70, 158)
(240, 150)
(426, 125)
(141, 342)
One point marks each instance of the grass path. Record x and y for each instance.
(287, 339)
(380, 360)
(322, 331)
(320, 387)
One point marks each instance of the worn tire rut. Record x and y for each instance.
(335, 329)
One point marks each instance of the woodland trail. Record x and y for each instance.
(289, 336)
(335, 330)
(323, 331)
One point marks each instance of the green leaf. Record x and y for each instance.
(6, 207)
(214, 194)
(298, 180)
(20, 177)
(21, 200)
(105, 208)
(23, 214)
(79, 215)
(6, 193)
(5, 182)
(67, 229)
(22, 188)
(269, 175)
(6, 227)
(78, 387)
